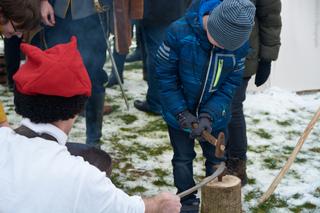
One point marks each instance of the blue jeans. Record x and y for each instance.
(92, 47)
(183, 156)
(152, 38)
(237, 142)
(120, 60)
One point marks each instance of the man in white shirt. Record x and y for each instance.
(38, 174)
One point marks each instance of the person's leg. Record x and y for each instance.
(12, 57)
(153, 36)
(120, 61)
(237, 142)
(183, 155)
(92, 46)
(143, 54)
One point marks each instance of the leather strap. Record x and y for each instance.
(29, 133)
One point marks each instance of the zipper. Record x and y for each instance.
(205, 83)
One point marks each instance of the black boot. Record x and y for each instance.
(238, 167)
(190, 206)
(134, 56)
(144, 106)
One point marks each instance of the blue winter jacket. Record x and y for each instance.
(194, 76)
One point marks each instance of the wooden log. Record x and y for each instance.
(222, 197)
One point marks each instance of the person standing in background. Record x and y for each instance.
(158, 15)
(63, 19)
(265, 45)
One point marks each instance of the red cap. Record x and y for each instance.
(58, 71)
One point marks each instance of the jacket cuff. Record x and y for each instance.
(205, 115)
(269, 52)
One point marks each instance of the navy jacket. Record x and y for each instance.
(194, 76)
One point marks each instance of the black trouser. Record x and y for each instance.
(237, 143)
(12, 57)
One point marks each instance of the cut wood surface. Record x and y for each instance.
(222, 197)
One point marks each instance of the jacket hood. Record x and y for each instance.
(192, 18)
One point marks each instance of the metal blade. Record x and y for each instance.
(100, 10)
(217, 173)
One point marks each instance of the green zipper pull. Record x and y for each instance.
(220, 66)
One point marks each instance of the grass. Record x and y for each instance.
(265, 113)
(292, 135)
(306, 206)
(273, 202)
(285, 123)
(133, 66)
(263, 134)
(259, 149)
(252, 181)
(161, 182)
(297, 196)
(152, 126)
(254, 194)
(272, 163)
(128, 118)
(294, 174)
(315, 149)
(256, 120)
(287, 150)
(317, 192)
(136, 190)
(293, 110)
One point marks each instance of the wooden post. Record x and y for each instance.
(222, 197)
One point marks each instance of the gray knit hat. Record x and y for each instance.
(231, 22)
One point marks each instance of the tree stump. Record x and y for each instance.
(222, 197)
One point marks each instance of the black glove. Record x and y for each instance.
(205, 123)
(186, 119)
(263, 72)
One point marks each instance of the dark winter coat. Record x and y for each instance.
(194, 76)
(163, 12)
(265, 36)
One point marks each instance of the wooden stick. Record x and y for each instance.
(218, 172)
(293, 156)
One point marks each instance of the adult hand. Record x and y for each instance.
(163, 203)
(186, 119)
(205, 123)
(263, 72)
(47, 13)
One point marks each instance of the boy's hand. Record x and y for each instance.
(205, 123)
(47, 13)
(186, 119)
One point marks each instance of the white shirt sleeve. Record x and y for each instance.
(99, 195)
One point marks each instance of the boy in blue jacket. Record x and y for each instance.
(199, 66)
